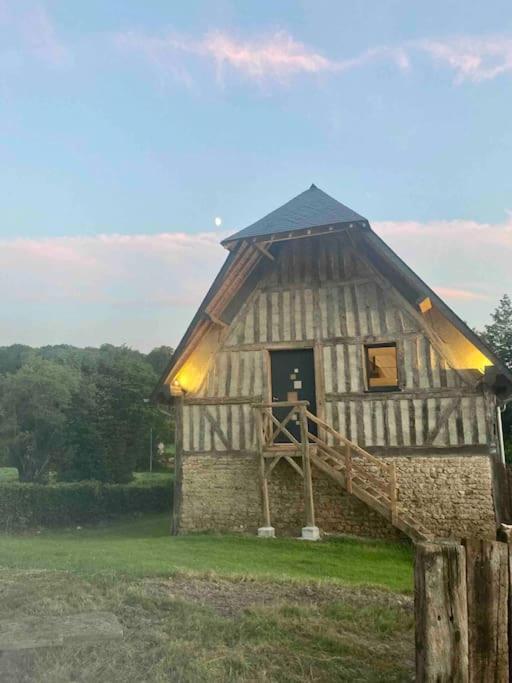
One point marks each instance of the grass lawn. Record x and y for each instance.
(8, 474)
(215, 608)
(143, 547)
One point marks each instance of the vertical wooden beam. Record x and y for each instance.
(348, 467)
(309, 505)
(318, 361)
(263, 473)
(441, 613)
(178, 466)
(487, 582)
(393, 491)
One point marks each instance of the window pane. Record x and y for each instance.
(382, 366)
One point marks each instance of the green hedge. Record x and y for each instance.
(25, 506)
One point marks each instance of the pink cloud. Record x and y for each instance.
(472, 58)
(278, 55)
(112, 269)
(459, 294)
(275, 56)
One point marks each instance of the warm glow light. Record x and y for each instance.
(218, 221)
(425, 305)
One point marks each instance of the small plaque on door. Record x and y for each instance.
(297, 384)
(292, 396)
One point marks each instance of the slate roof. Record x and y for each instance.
(309, 209)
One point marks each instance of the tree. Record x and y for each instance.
(123, 383)
(79, 412)
(84, 454)
(159, 358)
(499, 332)
(33, 406)
(499, 335)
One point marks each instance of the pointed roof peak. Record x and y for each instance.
(309, 209)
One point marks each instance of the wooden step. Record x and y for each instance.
(377, 500)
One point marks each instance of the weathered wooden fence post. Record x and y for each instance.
(505, 535)
(487, 584)
(441, 613)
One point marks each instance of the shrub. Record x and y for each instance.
(63, 504)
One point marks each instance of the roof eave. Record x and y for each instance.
(308, 231)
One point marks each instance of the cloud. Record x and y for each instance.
(114, 270)
(459, 294)
(275, 57)
(143, 289)
(463, 232)
(28, 31)
(465, 262)
(279, 56)
(472, 58)
(41, 37)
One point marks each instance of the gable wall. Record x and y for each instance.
(319, 293)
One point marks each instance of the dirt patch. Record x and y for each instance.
(230, 597)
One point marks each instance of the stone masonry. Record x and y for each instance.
(450, 494)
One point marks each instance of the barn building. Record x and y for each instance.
(322, 386)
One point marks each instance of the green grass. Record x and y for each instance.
(151, 477)
(8, 474)
(212, 607)
(143, 547)
(11, 474)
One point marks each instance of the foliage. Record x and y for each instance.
(159, 358)
(499, 335)
(62, 504)
(79, 412)
(33, 404)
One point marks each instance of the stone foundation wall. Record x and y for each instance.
(450, 495)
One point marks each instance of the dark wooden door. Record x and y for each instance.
(293, 379)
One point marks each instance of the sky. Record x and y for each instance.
(127, 128)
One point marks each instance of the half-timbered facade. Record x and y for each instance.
(323, 384)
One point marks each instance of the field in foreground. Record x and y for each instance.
(215, 608)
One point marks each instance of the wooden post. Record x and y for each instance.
(309, 505)
(263, 477)
(348, 467)
(487, 581)
(392, 491)
(178, 466)
(505, 535)
(441, 613)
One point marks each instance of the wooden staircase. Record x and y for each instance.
(370, 479)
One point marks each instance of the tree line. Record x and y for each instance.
(79, 413)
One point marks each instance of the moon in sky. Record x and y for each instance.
(218, 221)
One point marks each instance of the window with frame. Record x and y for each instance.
(381, 367)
